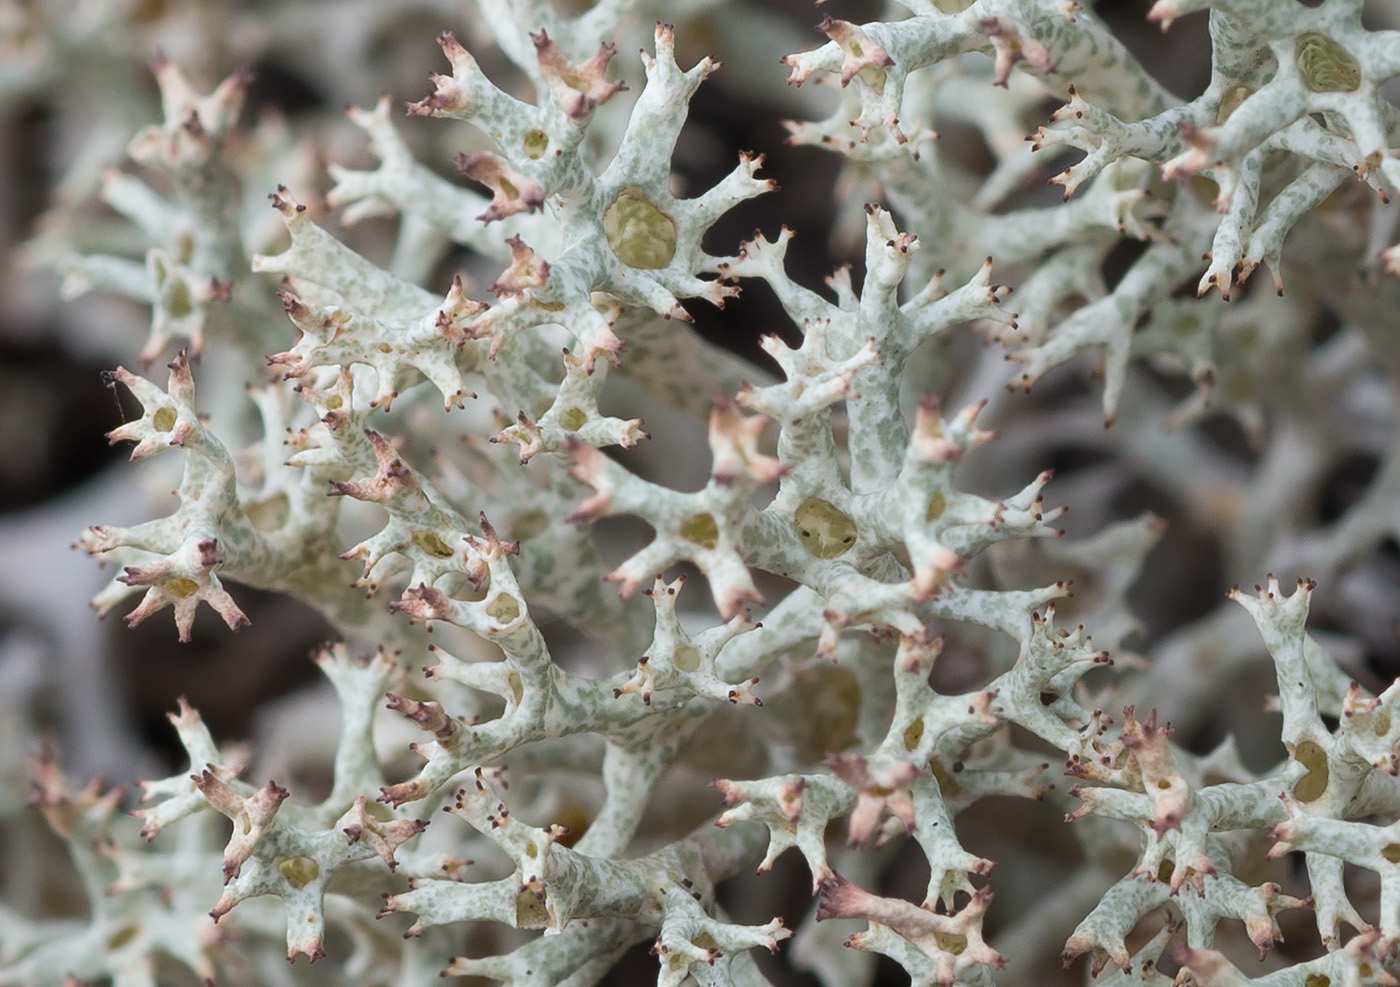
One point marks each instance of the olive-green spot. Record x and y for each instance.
(531, 851)
(1382, 726)
(1325, 66)
(429, 542)
(164, 419)
(1318, 980)
(509, 190)
(705, 941)
(121, 937)
(951, 942)
(334, 403)
(504, 608)
(178, 303)
(701, 529)
(528, 525)
(181, 587)
(826, 531)
(641, 235)
(1311, 786)
(385, 348)
(573, 419)
(687, 657)
(914, 733)
(1391, 852)
(516, 686)
(299, 871)
(937, 504)
(536, 143)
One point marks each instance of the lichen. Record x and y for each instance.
(836, 578)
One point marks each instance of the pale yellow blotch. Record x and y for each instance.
(504, 608)
(178, 303)
(826, 531)
(181, 587)
(299, 871)
(1325, 66)
(536, 143)
(573, 419)
(164, 419)
(951, 942)
(1312, 785)
(429, 542)
(641, 235)
(530, 912)
(687, 657)
(701, 529)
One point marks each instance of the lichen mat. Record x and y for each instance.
(956, 630)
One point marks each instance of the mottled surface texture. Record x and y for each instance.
(687, 618)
